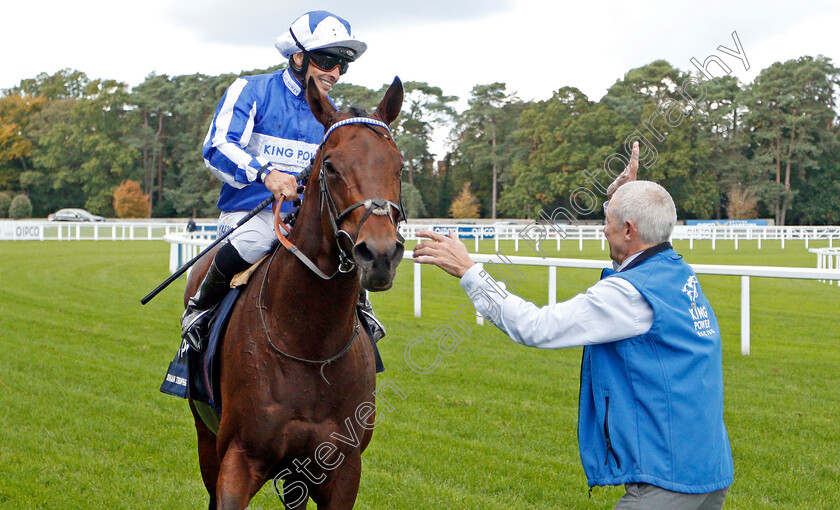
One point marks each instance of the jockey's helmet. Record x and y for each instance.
(322, 31)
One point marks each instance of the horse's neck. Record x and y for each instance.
(328, 306)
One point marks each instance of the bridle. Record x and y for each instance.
(376, 206)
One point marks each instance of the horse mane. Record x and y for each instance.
(358, 111)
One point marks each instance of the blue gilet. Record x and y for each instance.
(651, 406)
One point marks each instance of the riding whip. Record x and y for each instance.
(189, 264)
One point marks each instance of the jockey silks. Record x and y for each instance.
(261, 119)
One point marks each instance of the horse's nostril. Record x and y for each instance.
(362, 254)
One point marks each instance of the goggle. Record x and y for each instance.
(606, 203)
(327, 62)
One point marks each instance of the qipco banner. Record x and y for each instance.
(20, 231)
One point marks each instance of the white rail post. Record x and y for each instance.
(580, 237)
(417, 292)
(174, 251)
(552, 285)
(745, 315)
(479, 319)
(736, 239)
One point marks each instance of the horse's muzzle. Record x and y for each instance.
(377, 260)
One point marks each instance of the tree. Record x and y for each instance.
(413, 201)
(155, 99)
(720, 118)
(20, 208)
(79, 147)
(642, 86)
(5, 202)
(465, 204)
(16, 113)
(425, 109)
(485, 135)
(792, 118)
(130, 202)
(568, 138)
(742, 204)
(345, 95)
(64, 84)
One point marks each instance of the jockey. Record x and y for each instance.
(262, 136)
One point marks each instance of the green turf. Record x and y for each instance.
(493, 426)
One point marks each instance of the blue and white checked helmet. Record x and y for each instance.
(320, 30)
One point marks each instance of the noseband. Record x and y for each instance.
(376, 206)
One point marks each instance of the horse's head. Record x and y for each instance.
(358, 174)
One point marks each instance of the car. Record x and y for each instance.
(73, 215)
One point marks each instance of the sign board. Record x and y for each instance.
(728, 223)
(21, 231)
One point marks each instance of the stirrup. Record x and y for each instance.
(196, 329)
(374, 327)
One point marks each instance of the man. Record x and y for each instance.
(262, 136)
(651, 386)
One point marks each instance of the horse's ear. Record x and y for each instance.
(320, 106)
(391, 104)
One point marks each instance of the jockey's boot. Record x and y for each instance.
(195, 323)
(374, 328)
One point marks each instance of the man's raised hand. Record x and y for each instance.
(629, 173)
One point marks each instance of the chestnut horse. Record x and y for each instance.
(297, 370)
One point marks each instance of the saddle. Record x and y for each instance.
(196, 375)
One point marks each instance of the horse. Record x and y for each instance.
(297, 371)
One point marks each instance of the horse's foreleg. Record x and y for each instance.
(240, 477)
(208, 459)
(340, 491)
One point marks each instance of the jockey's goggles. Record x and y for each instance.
(327, 62)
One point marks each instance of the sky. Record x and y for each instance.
(533, 46)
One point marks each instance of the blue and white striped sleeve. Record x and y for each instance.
(229, 134)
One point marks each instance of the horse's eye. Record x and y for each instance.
(329, 168)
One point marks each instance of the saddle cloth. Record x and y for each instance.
(196, 375)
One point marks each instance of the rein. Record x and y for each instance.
(346, 264)
(261, 306)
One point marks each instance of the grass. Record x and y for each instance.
(494, 425)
